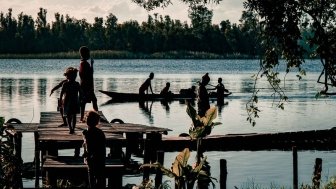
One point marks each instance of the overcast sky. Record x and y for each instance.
(124, 10)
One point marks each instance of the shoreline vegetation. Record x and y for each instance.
(113, 54)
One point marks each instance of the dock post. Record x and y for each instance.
(295, 168)
(317, 173)
(223, 173)
(37, 160)
(18, 144)
(146, 159)
(158, 176)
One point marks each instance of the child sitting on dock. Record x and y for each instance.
(94, 151)
(70, 103)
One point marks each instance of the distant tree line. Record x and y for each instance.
(158, 34)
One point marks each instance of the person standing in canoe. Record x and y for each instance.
(86, 81)
(220, 91)
(147, 84)
(203, 96)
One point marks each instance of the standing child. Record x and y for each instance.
(94, 151)
(86, 80)
(70, 92)
(59, 105)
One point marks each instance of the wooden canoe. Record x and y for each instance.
(131, 97)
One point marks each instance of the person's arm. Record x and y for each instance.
(57, 87)
(150, 86)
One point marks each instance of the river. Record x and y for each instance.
(25, 86)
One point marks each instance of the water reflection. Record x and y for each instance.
(146, 107)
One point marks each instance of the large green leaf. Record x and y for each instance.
(210, 115)
(196, 132)
(193, 115)
(181, 161)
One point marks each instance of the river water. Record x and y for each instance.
(25, 87)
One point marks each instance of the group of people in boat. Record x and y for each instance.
(202, 94)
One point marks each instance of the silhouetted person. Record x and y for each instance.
(190, 93)
(203, 96)
(59, 105)
(95, 151)
(220, 91)
(147, 84)
(70, 91)
(165, 91)
(86, 80)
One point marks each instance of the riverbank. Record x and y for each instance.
(109, 54)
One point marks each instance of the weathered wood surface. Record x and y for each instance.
(74, 168)
(304, 140)
(52, 120)
(22, 127)
(76, 162)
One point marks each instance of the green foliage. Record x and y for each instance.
(152, 4)
(10, 165)
(284, 26)
(184, 174)
(159, 37)
(201, 126)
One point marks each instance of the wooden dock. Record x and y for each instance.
(50, 137)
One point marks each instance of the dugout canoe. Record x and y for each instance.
(131, 97)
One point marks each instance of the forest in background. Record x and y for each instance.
(159, 35)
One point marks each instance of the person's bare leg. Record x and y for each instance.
(82, 110)
(64, 118)
(69, 118)
(95, 106)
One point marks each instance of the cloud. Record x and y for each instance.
(124, 10)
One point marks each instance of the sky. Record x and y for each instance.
(124, 10)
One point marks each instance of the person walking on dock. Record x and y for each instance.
(59, 105)
(94, 151)
(86, 81)
(147, 84)
(71, 91)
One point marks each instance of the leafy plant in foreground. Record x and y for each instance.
(184, 174)
(201, 126)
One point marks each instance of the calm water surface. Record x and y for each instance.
(25, 86)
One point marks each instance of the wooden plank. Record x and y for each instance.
(325, 140)
(66, 167)
(46, 117)
(76, 162)
(64, 136)
(22, 127)
(137, 128)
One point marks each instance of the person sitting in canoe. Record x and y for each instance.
(147, 84)
(165, 91)
(191, 92)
